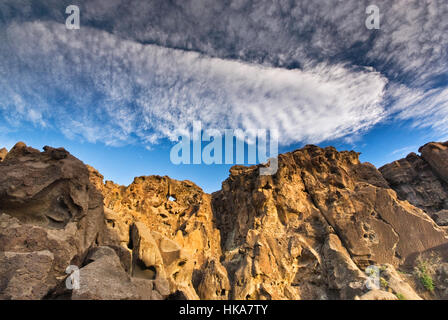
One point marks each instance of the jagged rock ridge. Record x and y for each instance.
(307, 232)
(423, 180)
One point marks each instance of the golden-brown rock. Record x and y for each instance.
(50, 215)
(3, 153)
(307, 232)
(281, 234)
(177, 210)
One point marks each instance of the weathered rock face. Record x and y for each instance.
(436, 154)
(50, 216)
(178, 212)
(161, 260)
(422, 180)
(306, 231)
(103, 278)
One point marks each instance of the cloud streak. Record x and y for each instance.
(96, 85)
(139, 71)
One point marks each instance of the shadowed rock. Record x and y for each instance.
(50, 216)
(422, 180)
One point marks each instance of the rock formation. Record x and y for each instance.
(313, 230)
(50, 216)
(423, 180)
(309, 230)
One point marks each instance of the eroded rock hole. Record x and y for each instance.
(130, 243)
(178, 295)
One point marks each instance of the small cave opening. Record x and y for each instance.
(178, 295)
(130, 244)
(171, 198)
(267, 186)
(111, 223)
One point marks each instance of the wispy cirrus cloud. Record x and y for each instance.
(140, 70)
(96, 85)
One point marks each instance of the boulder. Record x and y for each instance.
(103, 278)
(24, 274)
(49, 211)
(436, 154)
(157, 258)
(419, 180)
(397, 284)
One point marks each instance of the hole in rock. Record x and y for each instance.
(171, 198)
(178, 295)
(267, 186)
(130, 243)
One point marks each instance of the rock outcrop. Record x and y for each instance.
(423, 180)
(52, 223)
(313, 230)
(50, 216)
(178, 212)
(309, 230)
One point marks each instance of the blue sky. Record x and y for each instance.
(117, 92)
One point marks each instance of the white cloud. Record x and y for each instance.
(96, 85)
(424, 108)
(146, 91)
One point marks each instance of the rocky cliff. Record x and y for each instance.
(423, 180)
(325, 226)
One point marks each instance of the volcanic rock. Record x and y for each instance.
(309, 231)
(50, 216)
(422, 180)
